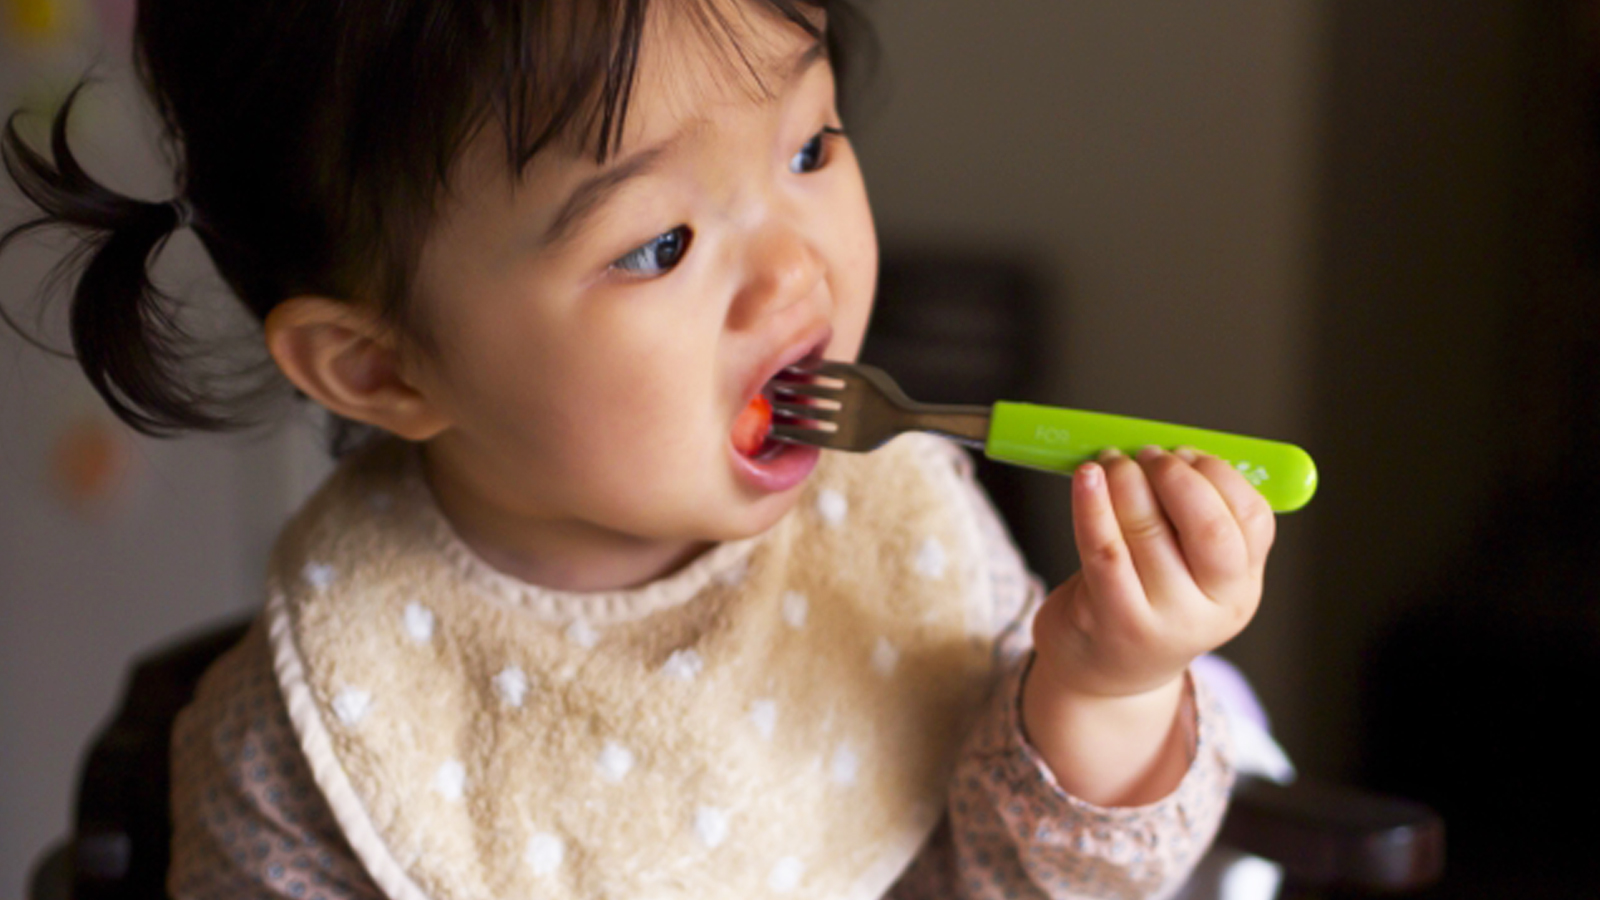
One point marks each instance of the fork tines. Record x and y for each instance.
(845, 406)
(807, 400)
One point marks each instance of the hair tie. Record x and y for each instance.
(183, 211)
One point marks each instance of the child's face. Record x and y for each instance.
(599, 328)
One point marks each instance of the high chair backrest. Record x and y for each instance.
(121, 825)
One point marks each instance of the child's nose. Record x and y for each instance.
(782, 268)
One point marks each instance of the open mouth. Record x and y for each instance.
(764, 462)
(752, 429)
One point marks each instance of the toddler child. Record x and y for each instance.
(557, 633)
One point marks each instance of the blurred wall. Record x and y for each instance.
(110, 543)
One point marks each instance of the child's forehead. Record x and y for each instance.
(699, 62)
(701, 65)
(697, 56)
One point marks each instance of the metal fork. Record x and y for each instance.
(845, 406)
(849, 406)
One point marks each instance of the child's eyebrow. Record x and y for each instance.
(589, 195)
(813, 54)
(593, 192)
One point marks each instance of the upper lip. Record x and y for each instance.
(809, 346)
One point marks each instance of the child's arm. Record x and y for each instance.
(1011, 831)
(1173, 548)
(1146, 773)
(1116, 751)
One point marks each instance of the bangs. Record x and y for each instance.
(542, 72)
(571, 74)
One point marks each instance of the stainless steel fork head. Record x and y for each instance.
(844, 406)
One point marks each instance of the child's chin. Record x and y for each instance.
(758, 516)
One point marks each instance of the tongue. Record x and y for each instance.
(751, 427)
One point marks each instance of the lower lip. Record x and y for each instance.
(778, 471)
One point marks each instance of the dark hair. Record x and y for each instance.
(312, 141)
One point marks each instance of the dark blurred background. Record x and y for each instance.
(1369, 228)
(1365, 226)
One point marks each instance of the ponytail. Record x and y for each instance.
(125, 333)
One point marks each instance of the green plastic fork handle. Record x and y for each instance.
(1059, 440)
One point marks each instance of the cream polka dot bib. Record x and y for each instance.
(778, 719)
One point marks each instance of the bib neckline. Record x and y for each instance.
(608, 607)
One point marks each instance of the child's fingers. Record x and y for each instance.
(1211, 539)
(1107, 566)
(1250, 509)
(1146, 530)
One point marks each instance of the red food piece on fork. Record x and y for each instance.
(751, 427)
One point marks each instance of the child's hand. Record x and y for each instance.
(1173, 553)
(1173, 548)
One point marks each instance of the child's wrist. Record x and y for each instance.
(1155, 706)
(1086, 676)
(1111, 750)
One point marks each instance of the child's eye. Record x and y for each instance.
(659, 255)
(813, 155)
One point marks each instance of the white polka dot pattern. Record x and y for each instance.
(795, 609)
(786, 875)
(351, 705)
(764, 716)
(931, 559)
(319, 575)
(583, 634)
(419, 622)
(545, 853)
(616, 761)
(511, 686)
(845, 765)
(832, 506)
(711, 826)
(450, 780)
(683, 665)
(734, 575)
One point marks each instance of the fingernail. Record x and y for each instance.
(1110, 453)
(1088, 475)
(1150, 451)
(1187, 454)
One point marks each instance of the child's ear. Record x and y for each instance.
(344, 358)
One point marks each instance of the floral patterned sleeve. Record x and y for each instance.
(1012, 832)
(248, 820)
